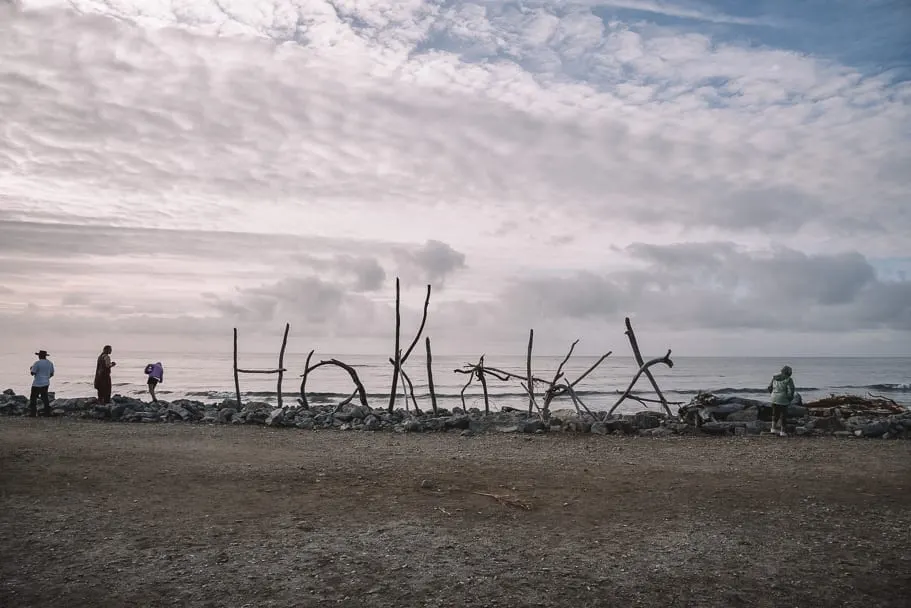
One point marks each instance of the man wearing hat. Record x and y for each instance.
(42, 371)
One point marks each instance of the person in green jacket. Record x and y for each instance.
(782, 389)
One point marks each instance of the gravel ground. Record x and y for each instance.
(107, 514)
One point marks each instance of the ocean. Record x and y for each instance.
(208, 377)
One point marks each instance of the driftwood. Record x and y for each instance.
(280, 370)
(236, 372)
(410, 388)
(666, 359)
(530, 379)
(397, 353)
(648, 374)
(303, 389)
(433, 395)
(462, 392)
(361, 392)
(549, 395)
(555, 387)
(281, 363)
(483, 380)
(399, 358)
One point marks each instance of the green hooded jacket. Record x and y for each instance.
(782, 387)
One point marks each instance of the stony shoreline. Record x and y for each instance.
(705, 415)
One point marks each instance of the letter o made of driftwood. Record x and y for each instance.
(361, 392)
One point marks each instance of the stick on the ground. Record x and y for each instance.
(433, 395)
(281, 362)
(648, 374)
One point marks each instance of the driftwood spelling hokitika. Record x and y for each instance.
(398, 359)
(359, 386)
(280, 371)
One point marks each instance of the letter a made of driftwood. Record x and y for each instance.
(643, 369)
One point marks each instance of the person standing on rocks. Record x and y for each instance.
(103, 375)
(42, 371)
(155, 372)
(782, 389)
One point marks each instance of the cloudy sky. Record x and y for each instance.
(733, 175)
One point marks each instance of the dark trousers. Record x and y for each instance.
(38, 391)
(103, 386)
(779, 415)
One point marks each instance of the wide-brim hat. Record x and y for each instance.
(42, 353)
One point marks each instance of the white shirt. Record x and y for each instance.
(43, 370)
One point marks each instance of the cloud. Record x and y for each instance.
(720, 285)
(654, 128)
(432, 262)
(286, 160)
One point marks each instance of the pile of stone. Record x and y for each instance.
(840, 416)
(704, 415)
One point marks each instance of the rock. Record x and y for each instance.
(658, 432)
(717, 428)
(748, 414)
(646, 420)
(178, 413)
(458, 421)
(343, 416)
(530, 425)
(599, 428)
(843, 434)
(9, 392)
(801, 431)
(372, 423)
(413, 426)
(874, 429)
(226, 414)
(467, 433)
(828, 424)
(427, 484)
(305, 423)
(508, 429)
(276, 417)
(360, 412)
(755, 427)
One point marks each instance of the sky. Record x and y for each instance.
(733, 176)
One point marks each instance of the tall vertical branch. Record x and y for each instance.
(397, 353)
(433, 396)
(531, 379)
(483, 384)
(281, 363)
(236, 373)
